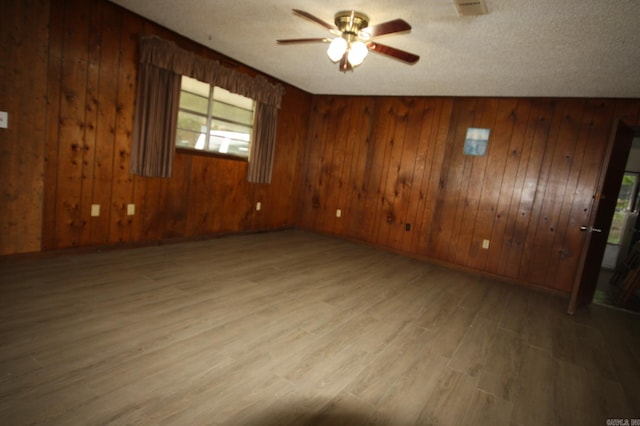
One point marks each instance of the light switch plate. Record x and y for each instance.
(131, 209)
(4, 119)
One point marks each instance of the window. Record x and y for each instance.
(214, 120)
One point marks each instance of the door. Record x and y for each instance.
(603, 207)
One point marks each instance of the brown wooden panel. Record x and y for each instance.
(70, 222)
(89, 140)
(399, 180)
(380, 147)
(495, 181)
(431, 184)
(351, 136)
(551, 189)
(333, 162)
(513, 130)
(54, 72)
(452, 181)
(422, 124)
(521, 213)
(310, 197)
(474, 196)
(290, 147)
(105, 105)
(596, 127)
(123, 189)
(22, 95)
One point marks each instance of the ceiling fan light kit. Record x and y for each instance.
(353, 41)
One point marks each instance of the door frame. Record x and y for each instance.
(581, 294)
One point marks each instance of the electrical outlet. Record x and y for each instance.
(338, 213)
(485, 244)
(131, 209)
(95, 210)
(258, 206)
(4, 119)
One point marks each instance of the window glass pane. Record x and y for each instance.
(231, 120)
(227, 97)
(195, 86)
(232, 113)
(188, 139)
(193, 102)
(194, 122)
(231, 138)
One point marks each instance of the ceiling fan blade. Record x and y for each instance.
(389, 27)
(312, 18)
(401, 55)
(304, 40)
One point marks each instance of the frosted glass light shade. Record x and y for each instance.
(337, 48)
(357, 52)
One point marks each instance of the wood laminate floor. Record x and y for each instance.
(296, 328)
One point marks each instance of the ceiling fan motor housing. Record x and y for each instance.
(350, 23)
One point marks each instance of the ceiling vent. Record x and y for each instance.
(471, 7)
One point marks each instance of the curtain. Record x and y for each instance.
(156, 118)
(162, 63)
(263, 145)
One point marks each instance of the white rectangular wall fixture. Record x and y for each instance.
(485, 244)
(258, 206)
(95, 210)
(338, 213)
(4, 119)
(131, 209)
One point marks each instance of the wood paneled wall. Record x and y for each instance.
(74, 86)
(396, 170)
(23, 42)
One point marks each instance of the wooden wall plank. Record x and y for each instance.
(432, 183)
(105, 127)
(122, 192)
(54, 94)
(311, 203)
(420, 135)
(497, 179)
(286, 180)
(582, 186)
(473, 198)
(89, 140)
(512, 180)
(452, 181)
(552, 187)
(380, 148)
(70, 222)
(406, 182)
(23, 90)
(333, 165)
(522, 215)
(357, 135)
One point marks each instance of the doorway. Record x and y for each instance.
(604, 203)
(623, 235)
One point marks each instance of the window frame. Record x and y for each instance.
(210, 118)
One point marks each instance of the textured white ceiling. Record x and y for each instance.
(559, 48)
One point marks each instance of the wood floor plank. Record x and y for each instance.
(290, 328)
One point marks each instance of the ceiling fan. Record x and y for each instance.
(354, 36)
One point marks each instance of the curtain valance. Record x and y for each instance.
(167, 55)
